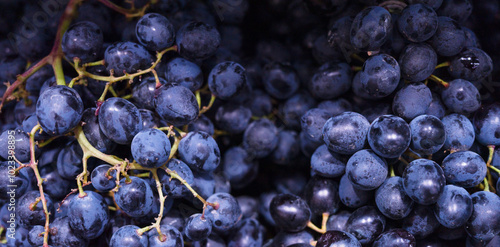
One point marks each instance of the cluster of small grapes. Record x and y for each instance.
(249, 123)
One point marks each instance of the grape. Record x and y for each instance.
(284, 238)
(321, 194)
(233, 118)
(59, 109)
(418, 22)
(247, 234)
(173, 237)
(335, 107)
(391, 199)
(35, 237)
(412, 100)
(380, 75)
(338, 221)
(487, 125)
(472, 64)
(424, 181)
(288, 148)
(144, 92)
(461, 97)
(389, 136)
(312, 123)
(261, 103)
(454, 207)
(449, 38)
(127, 236)
(134, 197)
(394, 238)
(366, 224)
(27, 217)
(155, 32)
(56, 186)
(330, 81)
(100, 179)
(458, 10)
(345, 133)
(260, 138)
(149, 119)
(459, 132)
(203, 123)
(83, 40)
(290, 212)
(15, 143)
(351, 196)
(464, 168)
(197, 40)
(227, 80)
(280, 80)
(63, 235)
(481, 225)
(238, 167)
(337, 238)
(198, 227)
(176, 104)
(417, 62)
(88, 215)
(184, 73)
(327, 164)
(199, 151)
(228, 213)
(427, 134)
(119, 120)
(421, 222)
(294, 107)
(366, 170)
(21, 182)
(151, 148)
(371, 28)
(174, 187)
(93, 132)
(127, 57)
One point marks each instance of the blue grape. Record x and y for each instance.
(238, 167)
(335, 107)
(261, 103)
(389, 136)
(93, 132)
(421, 222)
(295, 107)
(174, 187)
(228, 80)
(149, 119)
(483, 224)
(366, 224)
(203, 123)
(127, 57)
(380, 75)
(176, 104)
(464, 168)
(249, 206)
(127, 236)
(312, 123)
(366, 170)
(198, 227)
(119, 120)
(144, 92)
(449, 38)
(59, 109)
(21, 181)
(260, 138)
(346, 133)
(418, 22)
(322, 195)
(427, 134)
(173, 237)
(411, 101)
(55, 186)
(454, 207)
(82, 40)
(352, 197)
(63, 235)
(290, 212)
(417, 62)
(35, 236)
(337, 238)
(436, 108)
(280, 80)
(88, 215)
(326, 163)
(391, 199)
(151, 148)
(15, 143)
(458, 10)
(100, 179)
(330, 81)
(233, 118)
(472, 64)
(30, 122)
(135, 197)
(288, 148)
(248, 234)
(155, 32)
(461, 96)
(197, 40)
(199, 151)
(394, 238)
(25, 216)
(337, 222)
(424, 181)
(184, 73)
(371, 28)
(284, 238)
(486, 124)
(460, 133)
(227, 214)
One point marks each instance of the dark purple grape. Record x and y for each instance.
(366, 170)
(15, 143)
(351, 196)
(233, 118)
(338, 221)
(280, 80)
(294, 107)
(335, 107)
(228, 80)
(176, 104)
(35, 236)
(21, 182)
(427, 134)
(424, 181)
(458, 10)
(345, 133)
(203, 123)
(248, 233)
(460, 133)
(486, 124)
(135, 197)
(330, 81)
(100, 179)
(449, 38)
(144, 92)
(184, 73)
(454, 207)
(119, 120)
(417, 62)
(173, 187)
(155, 32)
(322, 195)
(412, 100)
(483, 224)
(238, 167)
(389, 136)
(228, 213)
(199, 151)
(127, 57)
(326, 163)
(260, 138)
(289, 239)
(197, 40)
(418, 22)
(464, 168)
(391, 199)
(61, 234)
(27, 217)
(421, 222)
(88, 215)
(151, 148)
(371, 28)
(380, 75)
(83, 40)
(472, 64)
(198, 227)
(366, 224)
(127, 236)
(436, 108)
(395, 238)
(288, 148)
(173, 237)
(337, 238)
(461, 96)
(290, 212)
(93, 132)
(149, 119)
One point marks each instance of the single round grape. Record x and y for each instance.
(260, 103)
(233, 118)
(290, 212)
(391, 199)
(345, 133)
(100, 179)
(366, 224)
(227, 80)
(322, 196)
(127, 236)
(371, 28)
(380, 75)
(461, 96)
(280, 80)
(173, 237)
(417, 62)
(352, 197)
(330, 81)
(389, 136)
(482, 224)
(88, 215)
(198, 227)
(418, 22)
(28, 217)
(337, 222)
(173, 187)
(93, 132)
(337, 238)
(21, 182)
(61, 234)
(423, 181)
(395, 238)
(184, 73)
(454, 207)
(248, 234)
(203, 123)
(197, 40)
(460, 133)
(82, 40)
(427, 134)
(464, 168)
(327, 164)
(238, 167)
(151, 148)
(335, 107)
(35, 236)
(449, 38)
(412, 100)
(119, 120)
(134, 197)
(227, 214)
(149, 119)
(284, 238)
(59, 109)
(294, 107)
(16, 143)
(436, 108)
(458, 10)
(366, 170)
(127, 57)
(421, 222)
(487, 124)
(155, 32)
(144, 93)
(287, 149)
(472, 64)
(199, 151)
(176, 104)
(260, 138)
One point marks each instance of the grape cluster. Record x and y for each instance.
(242, 123)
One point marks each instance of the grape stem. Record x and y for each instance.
(442, 65)
(439, 80)
(324, 221)
(129, 13)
